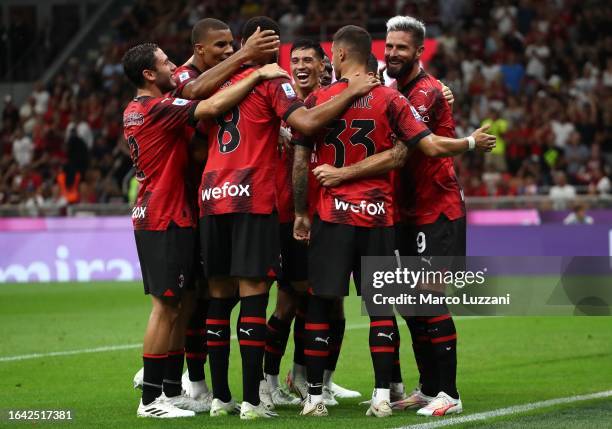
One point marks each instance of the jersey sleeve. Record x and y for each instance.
(405, 121)
(171, 113)
(282, 97)
(433, 108)
(298, 138)
(182, 78)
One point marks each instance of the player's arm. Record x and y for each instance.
(308, 121)
(261, 43)
(431, 145)
(301, 225)
(224, 100)
(447, 94)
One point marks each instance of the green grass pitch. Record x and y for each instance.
(503, 362)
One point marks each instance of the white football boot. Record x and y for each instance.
(415, 400)
(160, 409)
(380, 406)
(328, 397)
(138, 377)
(220, 408)
(312, 408)
(441, 405)
(265, 395)
(343, 393)
(297, 384)
(251, 412)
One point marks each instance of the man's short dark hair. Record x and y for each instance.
(308, 44)
(373, 64)
(138, 59)
(357, 40)
(203, 26)
(263, 22)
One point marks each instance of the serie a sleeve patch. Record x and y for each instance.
(180, 102)
(289, 92)
(183, 76)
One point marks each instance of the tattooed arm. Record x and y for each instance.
(301, 226)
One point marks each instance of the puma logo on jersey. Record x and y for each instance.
(424, 92)
(382, 334)
(139, 212)
(225, 190)
(218, 333)
(246, 331)
(427, 260)
(322, 340)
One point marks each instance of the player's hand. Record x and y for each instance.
(328, 175)
(261, 44)
(448, 94)
(301, 228)
(484, 142)
(271, 71)
(360, 84)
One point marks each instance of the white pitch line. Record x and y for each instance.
(135, 346)
(516, 409)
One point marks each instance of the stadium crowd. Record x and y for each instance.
(538, 72)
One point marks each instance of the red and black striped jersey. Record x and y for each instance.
(370, 125)
(157, 130)
(240, 172)
(428, 187)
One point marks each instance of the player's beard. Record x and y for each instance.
(403, 70)
(165, 84)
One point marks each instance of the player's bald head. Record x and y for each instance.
(204, 26)
(356, 40)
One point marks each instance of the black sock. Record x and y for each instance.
(423, 355)
(173, 372)
(298, 331)
(316, 341)
(382, 349)
(396, 373)
(252, 339)
(277, 334)
(195, 342)
(153, 376)
(443, 339)
(336, 333)
(218, 341)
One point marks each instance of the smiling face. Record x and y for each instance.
(215, 47)
(306, 69)
(161, 76)
(401, 53)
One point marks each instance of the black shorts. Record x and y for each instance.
(166, 260)
(444, 239)
(294, 256)
(240, 245)
(335, 252)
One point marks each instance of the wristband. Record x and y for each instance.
(471, 142)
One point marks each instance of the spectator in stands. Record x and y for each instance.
(562, 192)
(576, 154)
(10, 114)
(23, 148)
(578, 216)
(291, 23)
(498, 127)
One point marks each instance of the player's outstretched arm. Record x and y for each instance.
(440, 147)
(309, 121)
(431, 145)
(224, 100)
(261, 43)
(301, 225)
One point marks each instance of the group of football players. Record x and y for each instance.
(249, 175)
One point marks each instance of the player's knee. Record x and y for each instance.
(285, 306)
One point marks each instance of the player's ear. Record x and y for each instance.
(420, 51)
(199, 48)
(149, 75)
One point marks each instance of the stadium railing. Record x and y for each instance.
(539, 202)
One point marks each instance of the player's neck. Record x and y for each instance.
(408, 77)
(352, 69)
(149, 91)
(303, 93)
(198, 63)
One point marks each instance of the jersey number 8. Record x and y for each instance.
(229, 127)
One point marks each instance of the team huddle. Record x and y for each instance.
(250, 176)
